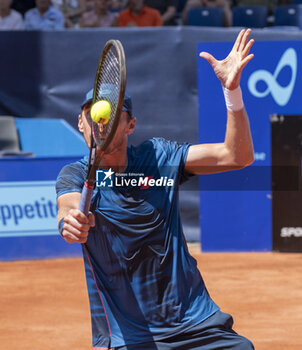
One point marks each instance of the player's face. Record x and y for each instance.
(126, 127)
(84, 123)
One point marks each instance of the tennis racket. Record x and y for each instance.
(109, 85)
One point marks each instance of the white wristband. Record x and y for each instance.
(233, 99)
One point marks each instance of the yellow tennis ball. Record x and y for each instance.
(100, 112)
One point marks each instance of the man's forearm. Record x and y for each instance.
(66, 202)
(238, 139)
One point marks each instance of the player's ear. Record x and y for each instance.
(131, 126)
(80, 123)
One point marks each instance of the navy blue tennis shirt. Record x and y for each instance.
(143, 284)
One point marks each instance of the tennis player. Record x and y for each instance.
(144, 287)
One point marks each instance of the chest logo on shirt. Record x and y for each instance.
(107, 178)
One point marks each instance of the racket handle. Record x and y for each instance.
(86, 199)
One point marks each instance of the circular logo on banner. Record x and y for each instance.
(281, 94)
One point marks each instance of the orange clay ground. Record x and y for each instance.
(44, 304)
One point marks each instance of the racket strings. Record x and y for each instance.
(108, 85)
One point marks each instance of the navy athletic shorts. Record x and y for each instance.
(215, 333)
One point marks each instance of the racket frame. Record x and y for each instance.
(97, 149)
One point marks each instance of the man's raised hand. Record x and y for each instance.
(228, 71)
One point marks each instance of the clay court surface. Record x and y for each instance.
(44, 304)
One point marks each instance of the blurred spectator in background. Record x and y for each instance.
(88, 13)
(270, 4)
(72, 11)
(9, 19)
(224, 4)
(139, 15)
(167, 9)
(101, 17)
(23, 5)
(43, 17)
(118, 5)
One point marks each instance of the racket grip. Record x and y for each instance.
(86, 199)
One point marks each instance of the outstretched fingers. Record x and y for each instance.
(228, 71)
(244, 40)
(246, 61)
(238, 40)
(247, 48)
(211, 59)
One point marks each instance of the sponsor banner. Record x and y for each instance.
(270, 87)
(28, 209)
(287, 232)
(280, 94)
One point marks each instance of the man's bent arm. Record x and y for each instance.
(237, 149)
(234, 153)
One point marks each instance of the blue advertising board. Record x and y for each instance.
(236, 207)
(28, 209)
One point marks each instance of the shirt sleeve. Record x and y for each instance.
(121, 22)
(27, 20)
(176, 156)
(157, 17)
(60, 22)
(19, 24)
(71, 178)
